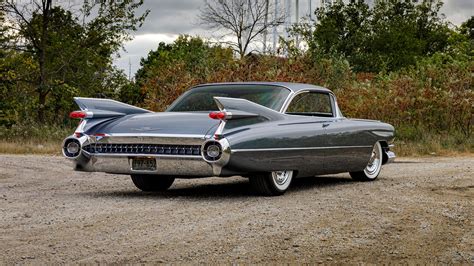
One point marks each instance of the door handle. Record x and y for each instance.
(325, 125)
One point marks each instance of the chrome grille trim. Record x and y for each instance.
(143, 149)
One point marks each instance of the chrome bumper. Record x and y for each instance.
(166, 164)
(389, 156)
(172, 165)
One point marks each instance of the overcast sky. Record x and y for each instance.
(169, 18)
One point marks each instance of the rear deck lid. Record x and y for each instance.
(168, 123)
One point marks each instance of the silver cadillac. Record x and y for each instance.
(270, 132)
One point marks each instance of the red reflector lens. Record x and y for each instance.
(221, 115)
(217, 115)
(78, 114)
(213, 115)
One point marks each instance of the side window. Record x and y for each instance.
(311, 103)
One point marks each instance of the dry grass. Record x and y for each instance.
(51, 148)
(413, 149)
(435, 145)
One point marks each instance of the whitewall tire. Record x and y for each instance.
(273, 183)
(372, 170)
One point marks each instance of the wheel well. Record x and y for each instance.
(385, 147)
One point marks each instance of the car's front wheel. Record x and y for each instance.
(273, 183)
(372, 170)
(152, 182)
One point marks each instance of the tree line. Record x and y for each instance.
(52, 52)
(397, 61)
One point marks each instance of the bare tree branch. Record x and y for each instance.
(245, 20)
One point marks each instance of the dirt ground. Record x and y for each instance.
(419, 210)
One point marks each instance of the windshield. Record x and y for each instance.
(201, 98)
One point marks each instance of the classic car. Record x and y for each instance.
(270, 132)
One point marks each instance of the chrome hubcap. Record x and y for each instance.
(281, 177)
(374, 162)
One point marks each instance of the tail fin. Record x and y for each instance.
(241, 108)
(107, 107)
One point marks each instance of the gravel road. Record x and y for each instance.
(419, 211)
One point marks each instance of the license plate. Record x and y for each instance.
(144, 164)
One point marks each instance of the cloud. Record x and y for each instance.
(169, 18)
(458, 11)
(139, 47)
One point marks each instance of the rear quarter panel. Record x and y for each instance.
(350, 143)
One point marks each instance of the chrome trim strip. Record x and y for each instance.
(89, 114)
(302, 148)
(220, 129)
(149, 138)
(141, 155)
(80, 127)
(291, 96)
(287, 102)
(196, 136)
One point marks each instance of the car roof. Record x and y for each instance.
(294, 87)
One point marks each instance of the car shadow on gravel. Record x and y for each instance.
(233, 189)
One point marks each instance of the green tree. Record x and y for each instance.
(69, 52)
(187, 58)
(467, 28)
(389, 36)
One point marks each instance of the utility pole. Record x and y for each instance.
(275, 33)
(297, 21)
(288, 19)
(297, 9)
(129, 69)
(266, 30)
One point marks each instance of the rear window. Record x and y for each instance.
(201, 98)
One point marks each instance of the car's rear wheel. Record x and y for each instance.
(152, 182)
(273, 183)
(372, 170)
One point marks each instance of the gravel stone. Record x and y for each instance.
(419, 211)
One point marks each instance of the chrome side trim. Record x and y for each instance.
(301, 148)
(220, 129)
(81, 126)
(380, 133)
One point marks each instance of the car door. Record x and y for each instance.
(347, 144)
(318, 110)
